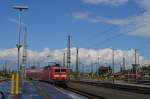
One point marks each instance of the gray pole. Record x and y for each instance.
(136, 65)
(98, 67)
(135, 56)
(48, 57)
(91, 69)
(5, 66)
(98, 60)
(20, 8)
(113, 64)
(19, 45)
(20, 70)
(77, 64)
(139, 64)
(138, 59)
(68, 52)
(124, 64)
(82, 68)
(64, 60)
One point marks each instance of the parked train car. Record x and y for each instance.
(54, 74)
(133, 75)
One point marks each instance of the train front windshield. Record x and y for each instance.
(63, 70)
(60, 71)
(57, 70)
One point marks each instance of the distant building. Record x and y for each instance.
(33, 67)
(104, 71)
(132, 73)
(135, 67)
(145, 70)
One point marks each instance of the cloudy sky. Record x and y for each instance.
(95, 27)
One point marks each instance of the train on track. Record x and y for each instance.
(54, 74)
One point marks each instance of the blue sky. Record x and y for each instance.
(92, 24)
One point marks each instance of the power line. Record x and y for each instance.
(103, 33)
(108, 31)
(119, 34)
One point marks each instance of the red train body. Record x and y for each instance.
(54, 74)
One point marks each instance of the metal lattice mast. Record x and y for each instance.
(24, 59)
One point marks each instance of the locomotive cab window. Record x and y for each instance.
(57, 70)
(63, 70)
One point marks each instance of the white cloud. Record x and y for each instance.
(81, 15)
(138, 25)
(8, 53)
(86, 56)
(142, 21)
(107, 2)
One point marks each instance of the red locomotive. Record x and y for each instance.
(53, 73)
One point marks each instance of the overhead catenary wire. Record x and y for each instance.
(110, 30)
(119, 34)
(96, 35)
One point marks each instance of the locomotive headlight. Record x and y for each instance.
(63, 76)
(56, 75)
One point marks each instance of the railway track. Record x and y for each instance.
(135, 89)
(2, 80)
(82, 93)
(92, 91)
(144, 82)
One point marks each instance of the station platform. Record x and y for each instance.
(38, 90)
